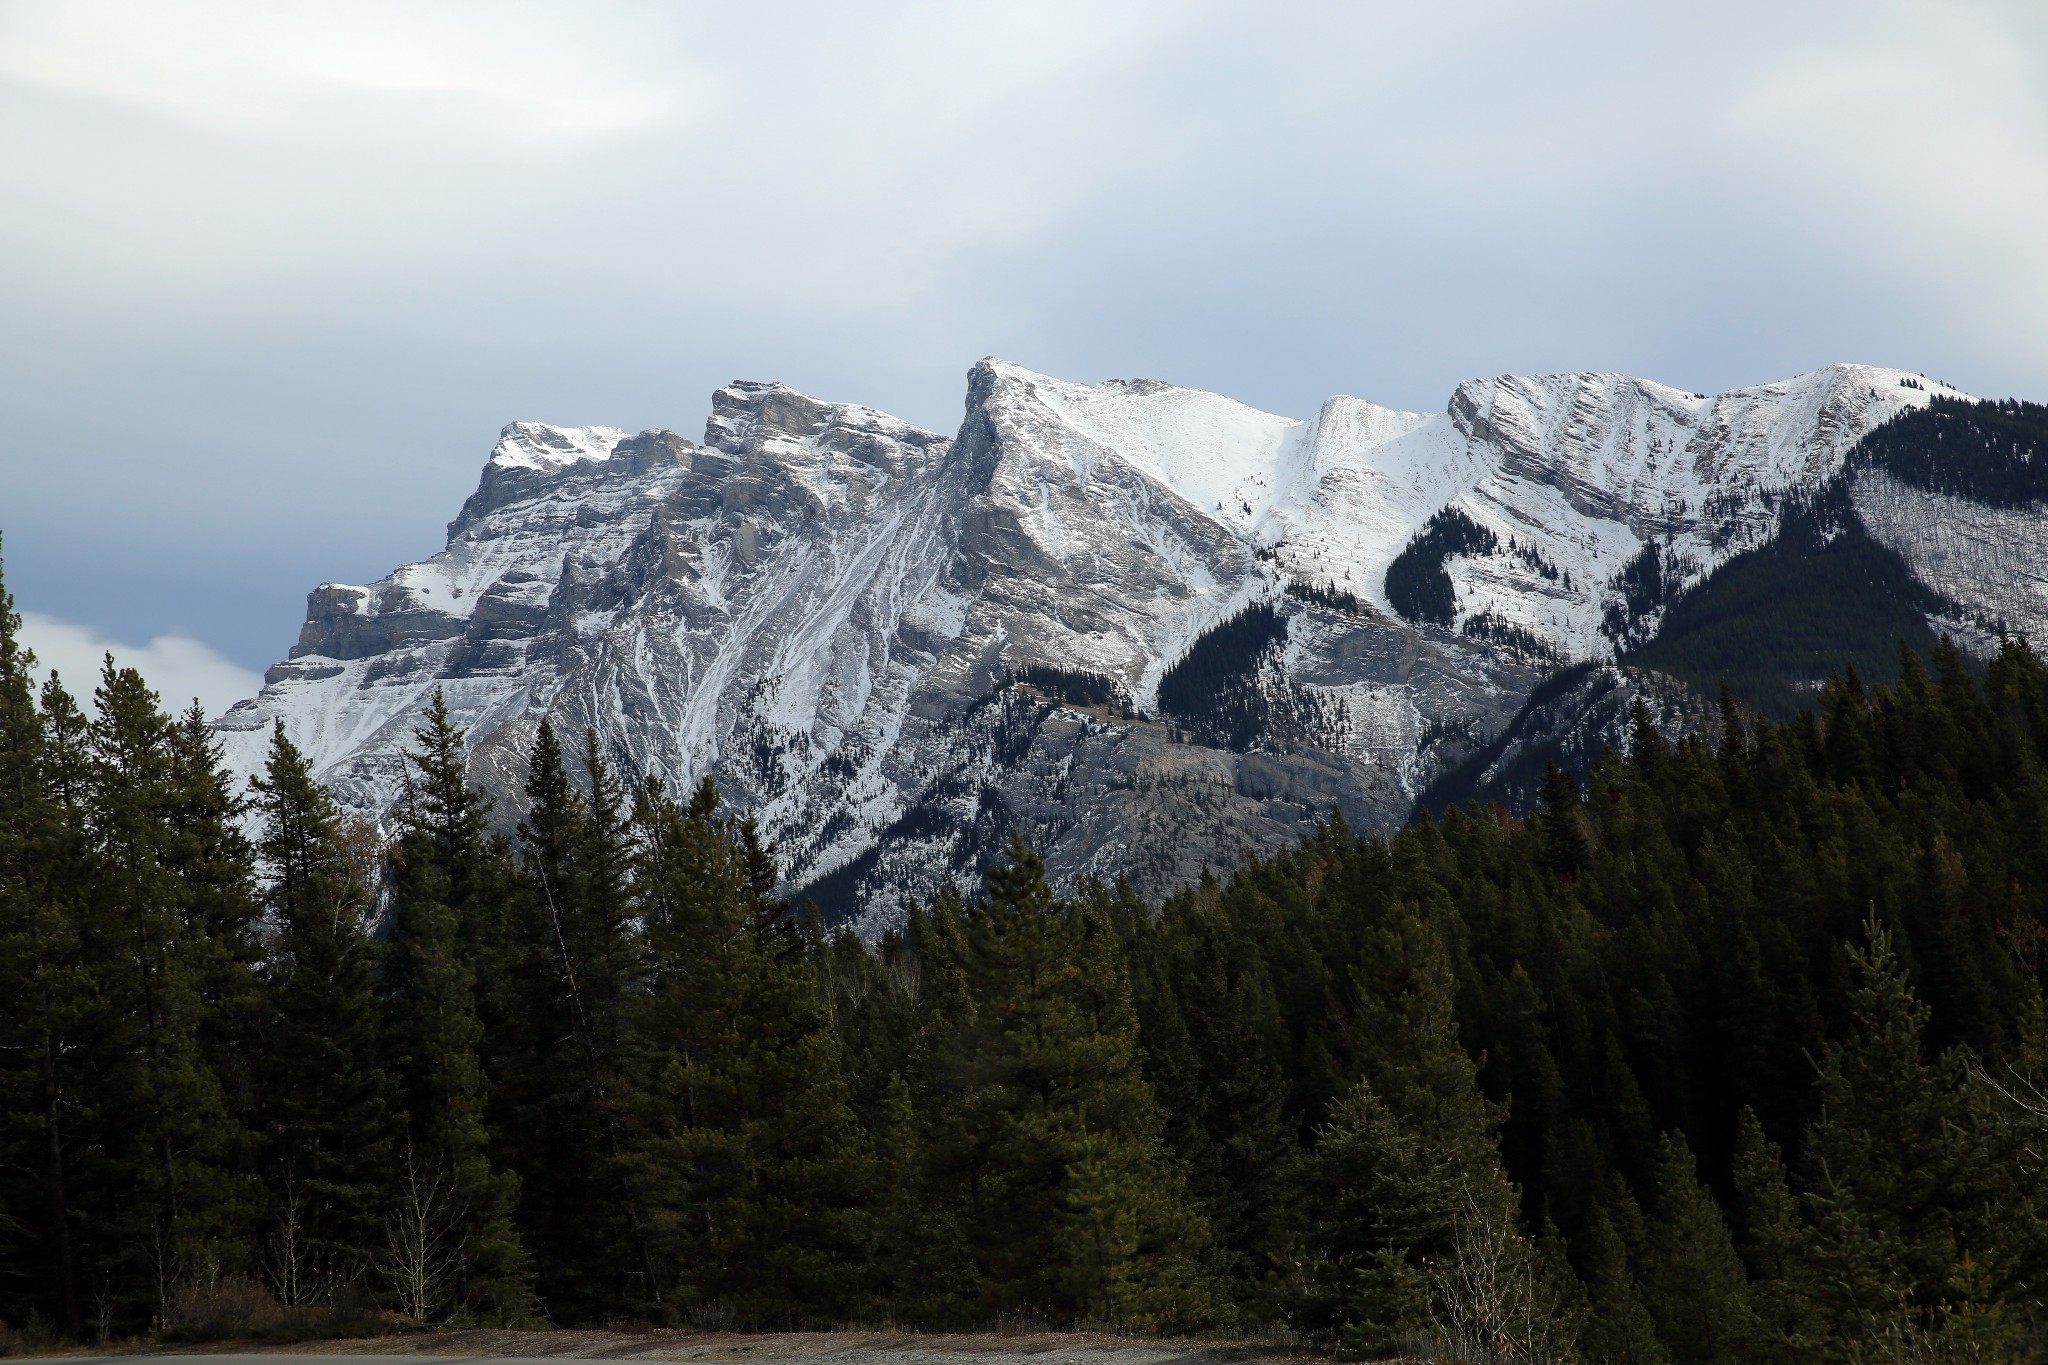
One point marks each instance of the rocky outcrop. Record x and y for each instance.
(830, 609)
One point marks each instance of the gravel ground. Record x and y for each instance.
(717, 1348)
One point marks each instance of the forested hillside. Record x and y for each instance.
(1730, 1056)
(1821, 597)
(1989, 452)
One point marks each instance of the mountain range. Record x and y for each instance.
(1153, 628)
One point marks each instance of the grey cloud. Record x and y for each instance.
(273, 277)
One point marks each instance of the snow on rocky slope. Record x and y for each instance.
(827, 607)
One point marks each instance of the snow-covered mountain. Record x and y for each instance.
(875, 636)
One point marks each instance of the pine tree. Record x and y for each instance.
(327, 1134)
(443, 887)
(1693, 1282)
(1408, 1154)
(43, 978)
(578, 958)
(750, 1165)
(1067, 1197)
(170, 1134)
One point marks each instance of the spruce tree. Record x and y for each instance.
(43, 978)
(327, 1126)
(1053, 1137)
(1693, 1282)
(1619, 1327)
(444, 919)
(1775, 1243)
(1215, 1051)
(1924, 1212)
(749, 1165)
(1565, 846)
(1647, 749)
(1408, 1155)
(923, 1269)
(578, 959)
(171, 1137)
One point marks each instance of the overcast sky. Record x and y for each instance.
(272, 277)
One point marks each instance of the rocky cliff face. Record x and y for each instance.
(895, 647)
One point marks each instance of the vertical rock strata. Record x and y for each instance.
(840, 614)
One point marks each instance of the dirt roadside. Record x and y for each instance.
(811, 1348)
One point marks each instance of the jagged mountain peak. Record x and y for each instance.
(894, 645)
(1226, 460)
(748, 414)
(548, 448)
(1627, 442)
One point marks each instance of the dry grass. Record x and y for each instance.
(239, 1308)
(1020, 1343)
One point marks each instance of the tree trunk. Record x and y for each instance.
(53, 1183)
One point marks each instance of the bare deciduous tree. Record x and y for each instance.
(1491, 1308)
(286, 1254)
(2026, 1095)
(1907, 1335)
(425, 1257)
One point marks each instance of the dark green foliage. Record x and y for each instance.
(1567, 841)
(1775, 1244)
(1772, 624)
(1646, 583)
(1076, 687)
(1418, 585)
(450, 890)
(326, 1131)
(578, 959)
(1927, 1219)
(126, 937)
(1042, 1127)
(47, 983)
(153, 889)
(1408, 1155)
(1713, 1057)
(1656, 955)
(1619, 1326)
(1694, 1286)
(751, 1166)
(1215, 688)
(1327, 595)
(1990, 452)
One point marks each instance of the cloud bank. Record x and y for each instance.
(275, 275)
(179, 668)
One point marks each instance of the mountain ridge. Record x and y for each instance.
(828, 607)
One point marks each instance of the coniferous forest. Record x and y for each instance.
(1733, 1054)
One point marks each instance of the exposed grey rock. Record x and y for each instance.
(824, 606)
(1569, 721)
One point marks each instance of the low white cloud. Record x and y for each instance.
(275, 275)
(294, 72)
(178, 667)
